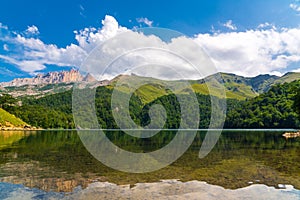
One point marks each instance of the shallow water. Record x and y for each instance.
(57, 161)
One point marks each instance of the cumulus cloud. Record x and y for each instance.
(145, 20)
(266, 25)
(32, 54)
(249, 53)
(253, 52)
(230, 25)
(134, 52)
(295, 7)
(32, 30)
(89, 38)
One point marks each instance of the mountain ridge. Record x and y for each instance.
(236, 86)
(50, 78)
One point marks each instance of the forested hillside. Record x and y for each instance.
(273, 109)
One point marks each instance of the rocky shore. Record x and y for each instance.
(291, 134)
(19, 128)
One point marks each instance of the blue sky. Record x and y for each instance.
(54, 22)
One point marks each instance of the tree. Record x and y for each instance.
(7, 100)
(296, 104)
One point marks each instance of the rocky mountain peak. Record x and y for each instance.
(50, 78)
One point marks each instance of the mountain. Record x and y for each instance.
(239, 87)
(49, 78)
(273, 109)
(236, 87)
(42, 84)
(89, 78)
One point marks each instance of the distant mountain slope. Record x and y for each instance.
(262, 83)
(236, 87)
(50, 78)
(240, 87)
(9, 120)
(288, 77)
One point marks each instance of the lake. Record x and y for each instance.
(56, 162)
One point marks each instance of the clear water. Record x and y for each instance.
(53, 162)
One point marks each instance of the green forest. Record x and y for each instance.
(276, 108)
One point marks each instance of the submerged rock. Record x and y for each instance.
(291, 134)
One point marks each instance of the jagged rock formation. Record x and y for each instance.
(89, 78)
(50, 78)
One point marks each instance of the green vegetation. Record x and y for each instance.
(296, 104)
(288, 77)
(53, 111)
(273, 109)
(150, 92)
(9, 120)
(6, 100)
(8, 138)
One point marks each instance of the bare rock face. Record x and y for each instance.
(89, 78)
(51, 78)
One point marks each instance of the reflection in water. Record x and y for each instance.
(57, 160)
(167, 189)
(7, 138)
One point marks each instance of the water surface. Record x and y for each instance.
(57, 160)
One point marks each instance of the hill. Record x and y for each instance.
(236, 87)
(273, 109)
(9, 121)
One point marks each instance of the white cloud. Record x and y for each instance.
(89, 38)
(6, 72)
(230, 25)
(249, 53)
(266, 25)
(29, 66)
(31, 54)
(253, 52)
(82, 9)
(32, 30)
(5, 47)
(145, 55)
(276, 73)
(3, 26)
(296, 70)
(145, 21)
(295, 7)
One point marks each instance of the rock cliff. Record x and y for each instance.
(50, 78)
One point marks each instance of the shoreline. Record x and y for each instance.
(19, 129)
(293, 131)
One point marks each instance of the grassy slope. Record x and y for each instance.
(9, 119)
(7, 138)
(287, 78)
(235, 90)
(148, 93)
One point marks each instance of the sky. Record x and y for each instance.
(246, 37)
